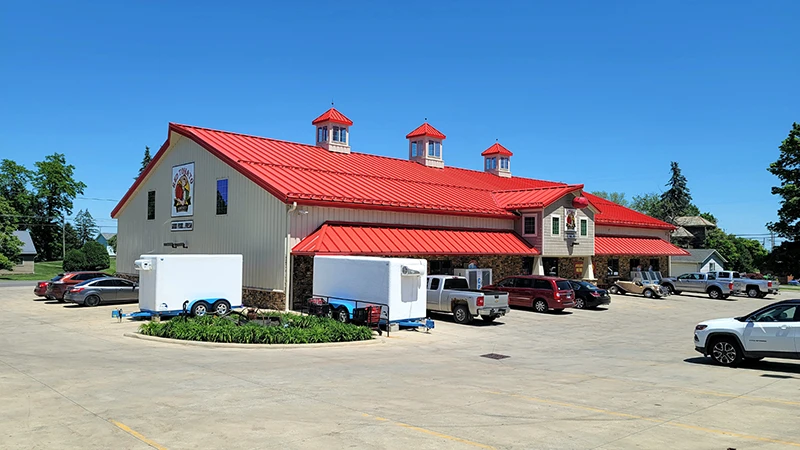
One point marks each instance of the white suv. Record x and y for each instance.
(773, 331)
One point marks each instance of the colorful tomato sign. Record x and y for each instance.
(570, 220)
(182, 190)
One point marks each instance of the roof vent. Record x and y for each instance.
(333, 132)
(425, 146)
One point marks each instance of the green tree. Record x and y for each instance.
(145, 160)
(743, 255)
(676, 201)
(649, 204)
(71, 239)
(787, 169)
(55, 188)
(616, 197)
(113, 242)
(709, 217)
(86, 227)
(74, 260)
(784, 259)
(14, 187)
(96, 256)
(10, 245)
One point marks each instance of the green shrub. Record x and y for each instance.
(74, 260)
(96, 256)
(293, 329)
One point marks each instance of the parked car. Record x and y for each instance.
(770, 332)
(705, 283)
(743, 284)
(540, 292)
(57, 289)
(644, 283)
(447, 293)
(103, 290)
(41, 287)
(588, 295)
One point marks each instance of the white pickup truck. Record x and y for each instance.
(447, 293)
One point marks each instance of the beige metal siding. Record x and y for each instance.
(605, 230)
(556, 245)
(254, 227)
(304, 224)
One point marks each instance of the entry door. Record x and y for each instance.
(774, 330)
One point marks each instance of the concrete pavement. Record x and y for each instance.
(622, 378)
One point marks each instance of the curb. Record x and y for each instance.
(373, 341)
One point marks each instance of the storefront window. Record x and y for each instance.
(613, 267)
(635, 264)
(654, 264)
(550, 266)
(441, 267)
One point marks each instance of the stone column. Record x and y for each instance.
(538, 266)
(588, 269)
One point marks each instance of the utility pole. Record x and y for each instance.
(771, 240)
(63, 236)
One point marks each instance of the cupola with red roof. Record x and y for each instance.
(497, 160)
(333, 131)
(425, 145)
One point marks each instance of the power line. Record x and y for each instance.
(98, 199)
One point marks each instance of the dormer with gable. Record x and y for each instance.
(333, 131)
(497, 160)
(425, 146)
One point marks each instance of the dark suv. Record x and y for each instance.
(57, 289)
(536, 291)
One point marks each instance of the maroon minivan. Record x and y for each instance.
(536, 291)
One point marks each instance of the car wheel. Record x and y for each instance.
(200, 309)
(725, 352)
(488, 319)
(580, 303)
(540, 306)
(752, 292)
(221, 307)
(648, 293)
(461, 314)
(613, 290)
(715, 293)
(92, 300)
(669, 288)
(342, 314)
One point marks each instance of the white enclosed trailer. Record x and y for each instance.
(168, 284)
(357, 281)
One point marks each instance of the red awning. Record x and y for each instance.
(394, 240)
(644, 246)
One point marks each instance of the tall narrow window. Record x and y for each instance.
(504, 163)
(556, 225)
(343, 134)
(319, 134)
(414, 148)
(430, 148)
(324, 133)
(437, 149)
(584, 227)
(222, 196)
(335, 134)
(151, 205)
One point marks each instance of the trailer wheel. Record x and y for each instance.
(342, 315)
(200, 309)
(221, 307)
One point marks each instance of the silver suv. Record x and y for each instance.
(705, 283)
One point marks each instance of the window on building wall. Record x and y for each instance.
(343, 135)
(504, 163)
(336, 134)
(634, 264)
(613, 267)
(655, 263)
(414, 148)
(151, 205)
(324, 133)
(319, 134)
(222, 196)
(529, 225)
(435, 149)
(584, 227)
(556, 228)
(712, 266)
(441, 267)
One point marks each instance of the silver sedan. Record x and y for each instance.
(103, 290)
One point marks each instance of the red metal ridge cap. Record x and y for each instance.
(497, 149)
(426, 129)
(332, 115)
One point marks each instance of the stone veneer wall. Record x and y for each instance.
(258, 298)
(501, 265)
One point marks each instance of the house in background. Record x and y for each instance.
(699, 260)
(27, 253)
(104, 239)
(696, 226)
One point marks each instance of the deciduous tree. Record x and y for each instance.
(649, 204)
(14, 187)
(10, 246)
(787, 169)
(616, 197)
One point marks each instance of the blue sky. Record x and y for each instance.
(600, 93)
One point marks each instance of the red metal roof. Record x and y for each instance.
(644, 246)
(400, 240)
(332, 115)
(497, 149)
(610, 213)
(533, 198)
(426, 130)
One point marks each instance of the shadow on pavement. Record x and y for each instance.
(770, 366)
(477, 322)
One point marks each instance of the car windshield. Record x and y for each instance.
(563, 285)
(456, 283)
(57, 277)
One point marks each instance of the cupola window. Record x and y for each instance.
(414, 149)
(340, 134)
(435, 149)
(503, 163)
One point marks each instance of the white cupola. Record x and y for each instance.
(497, 160)
(333, 131)
(425, 146)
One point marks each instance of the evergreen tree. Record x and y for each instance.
(145, 160)
(71, 239)
(86, 227)
(676, 201)
(787, 169)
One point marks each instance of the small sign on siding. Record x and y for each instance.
(182, 225)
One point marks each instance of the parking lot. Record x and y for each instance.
(626, 377)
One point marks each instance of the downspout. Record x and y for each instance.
(287, 265)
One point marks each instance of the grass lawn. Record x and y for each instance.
(47, 270)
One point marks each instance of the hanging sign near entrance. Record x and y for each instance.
(578, 269)
(183, 190)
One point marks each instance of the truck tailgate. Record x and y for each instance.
(495, 299)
